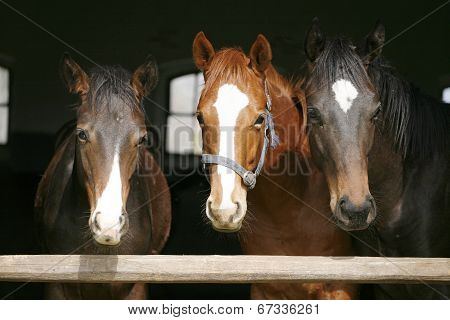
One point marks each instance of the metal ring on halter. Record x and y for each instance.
(249, 179)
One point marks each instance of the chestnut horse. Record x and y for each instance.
(384, 149)
(103, 192)
(242, 97)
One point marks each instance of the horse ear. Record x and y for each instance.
(145, 78)
(314, 41)
(202, 51)
(73, 75)
(374, 42)
(260, 54)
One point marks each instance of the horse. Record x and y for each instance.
(245, 108)
(383, 147)
(103, 192)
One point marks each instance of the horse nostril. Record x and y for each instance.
(240, 210)
(342, 203)
(123, 223)
(371, 200)
(96, 224)
(209, 205)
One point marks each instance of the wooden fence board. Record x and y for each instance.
(222, 269)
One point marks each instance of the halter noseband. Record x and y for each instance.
(249, 177)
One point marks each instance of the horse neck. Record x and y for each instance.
(417, 125)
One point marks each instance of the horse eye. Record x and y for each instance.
(376, 115)
(259, 121)
(143, 140)
(82, 135)
(314, 115)
(200, 119)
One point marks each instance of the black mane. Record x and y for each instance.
(338, 60)
(110, 85)
(418, 123)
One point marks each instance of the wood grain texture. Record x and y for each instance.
(222, 269)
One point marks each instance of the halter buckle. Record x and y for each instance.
(249, 179)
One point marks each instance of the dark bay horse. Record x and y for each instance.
(242, 95)
(384, 149)
(103, 192)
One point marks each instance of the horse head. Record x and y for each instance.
(110, 132)
(234, 115)
(343, 112)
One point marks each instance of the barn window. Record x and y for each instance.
(446, 95)
(183, 131)
(4, 104)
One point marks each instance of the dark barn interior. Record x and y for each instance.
(34, 35)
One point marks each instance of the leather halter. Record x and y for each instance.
(249, 177)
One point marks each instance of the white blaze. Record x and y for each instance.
(344, 93)
(109, 205)
(230, 101)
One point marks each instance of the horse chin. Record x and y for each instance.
(346, 226)
(106, 244)
(227, 229)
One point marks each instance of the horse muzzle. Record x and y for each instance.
(351, 217)
(226, 219)
(108, 232)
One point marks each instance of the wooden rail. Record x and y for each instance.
(222, 269)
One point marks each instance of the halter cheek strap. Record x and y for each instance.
(249, 177)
